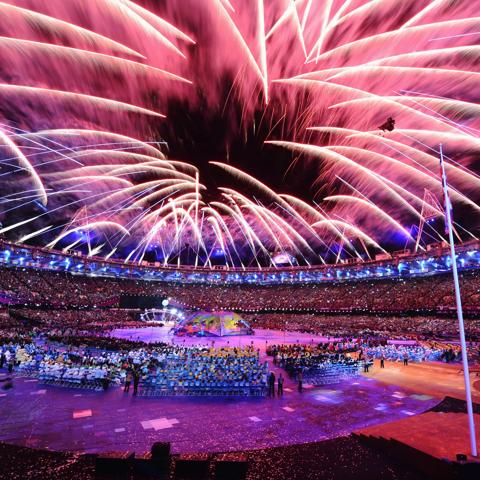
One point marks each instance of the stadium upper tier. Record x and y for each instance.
(398, 265)
(60, 290)
(38, 278)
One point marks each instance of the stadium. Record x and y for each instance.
(239, 239)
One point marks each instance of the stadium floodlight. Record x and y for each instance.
(458, 299)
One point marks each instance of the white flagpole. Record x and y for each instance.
(466, 374)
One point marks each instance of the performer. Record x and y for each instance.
(271, 385)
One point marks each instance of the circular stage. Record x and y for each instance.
(89, 421)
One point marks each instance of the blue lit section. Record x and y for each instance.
(396, 267)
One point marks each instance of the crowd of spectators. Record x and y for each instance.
(56, 289)
(375, 325)
(68, 326)
(64, 321)
(78, 323)
(79, 310)
(71, 323)
(60, 289)
(12, 330)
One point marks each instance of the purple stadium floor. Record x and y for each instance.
(60, 418)
(260, 339)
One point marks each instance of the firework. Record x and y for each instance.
(226, 131)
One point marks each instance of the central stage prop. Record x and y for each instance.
(213, 324)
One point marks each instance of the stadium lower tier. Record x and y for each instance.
(78, 323)
(432, 293)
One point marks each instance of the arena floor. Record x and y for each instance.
(88, 421)
(260, 339)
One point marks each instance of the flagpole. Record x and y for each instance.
(458, 299)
